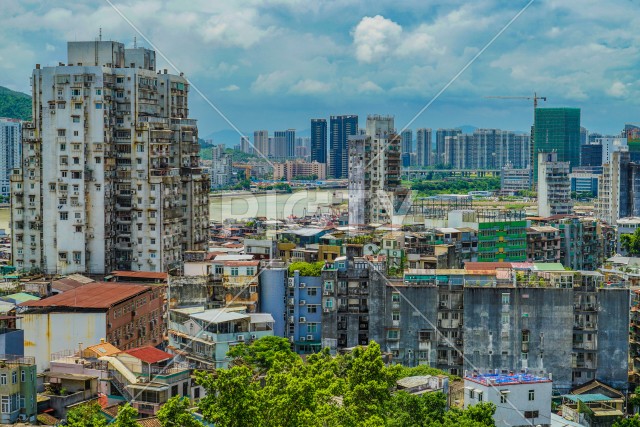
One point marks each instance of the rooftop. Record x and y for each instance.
(140, 274)
(149, 354)
(97, 295)
(502, 380)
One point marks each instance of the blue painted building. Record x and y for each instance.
(294, 301)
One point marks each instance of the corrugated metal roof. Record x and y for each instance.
(261, 318)
(588, 398)
(149, 354)
(92, 295)
(486, 265)
(140, 274)
(19, 297)
(219, 316)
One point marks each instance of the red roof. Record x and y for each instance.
(486, 265)
(149, 354)
(92, 295)
(140, 274)
(241, 263)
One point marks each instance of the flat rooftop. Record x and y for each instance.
(97, 295)
(502, 380)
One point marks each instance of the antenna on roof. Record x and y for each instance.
(135, 42)
(100, 34)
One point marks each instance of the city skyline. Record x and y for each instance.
(277, 65)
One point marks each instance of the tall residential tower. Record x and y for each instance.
(10, 151)
(342, 127)
(110, 175)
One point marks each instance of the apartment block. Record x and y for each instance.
(618, 188)
(543, 244)
(487, 149)
(10, 151)
(539, 317)
(375, 191)
(554, 185)
(424, 147)
(294, 169)
(513, 180)
(110, 175)
(18, 382)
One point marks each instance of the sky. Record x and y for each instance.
(276, 64)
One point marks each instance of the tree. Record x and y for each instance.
(634, 399)
(126, 417)
(628, 422)
(86, 416)
(263, 353)
(232, 397)
(631, 242)
(306, 268)
(175, 413)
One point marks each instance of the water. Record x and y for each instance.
(273, 206)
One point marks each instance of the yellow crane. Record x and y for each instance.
(535, 98)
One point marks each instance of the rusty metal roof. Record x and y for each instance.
(149, 354)
(140, 274)
(92, 295)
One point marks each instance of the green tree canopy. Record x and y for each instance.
(86, 416)
(176, 413)
(631, 242)
(126, 417)
(306, 268)
(628, 422)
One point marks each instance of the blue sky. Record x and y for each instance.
(276, 64)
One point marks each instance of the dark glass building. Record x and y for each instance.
(342, 127)
(319, 140)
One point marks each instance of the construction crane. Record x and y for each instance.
(535, 98)
(247, 169)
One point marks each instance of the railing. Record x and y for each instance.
(119, 382)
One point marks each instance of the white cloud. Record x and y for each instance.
(230, 88)
(49, 47)
(374, 38)
(240, 28)
(369, 87)
(311, 87)
(617, 89)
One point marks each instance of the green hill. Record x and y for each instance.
(16, 105)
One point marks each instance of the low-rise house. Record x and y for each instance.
(17, 389)
(64, 390)
(520, 399)
(203, 337)
(126, 315)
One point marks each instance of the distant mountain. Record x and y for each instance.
(226, 137)
(16, 105)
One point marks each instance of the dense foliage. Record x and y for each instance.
(269, 385)
(306, 268)
(628, 422)
(434, 185)
(631, 242)
(16, 105)
(86, 416)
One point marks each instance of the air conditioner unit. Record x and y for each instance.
(240, 338)
(254, 336)
(302, 339)
(303, 285)
(326, 310)
(309, 337)
(292, 338)
(302, 302)
(135, 258)
(303, 319)
(291, 319)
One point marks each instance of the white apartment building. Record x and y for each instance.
(375, 193)
(110, 175)
(10, 151)
(554, 186)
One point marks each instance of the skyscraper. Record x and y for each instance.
(319, 140)
(110, 175)
(375, 193)
(342, 127)
(290, 143)
(424, 147)
(554, 185)
(407, 147)
(10, 151)
(280, 149)
(261, 143)
(557, 130)
(487, 149)
(441, 134)
(245, 145)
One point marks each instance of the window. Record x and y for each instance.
(328, 303)
(234, 271)
(23, 375)
(472, 394)
(532, 395)
(64, 216)
(312, 308)
(525, 336)
(62, 256)
(395, 297)
(152, 254)
(78, 229)
(395, 316)
(98, 91)
(424, 336)
(76, 119)
(393, 334)
(98, 106)
(250, 271)
(505, 319)
(531, 414)
(62, 132)
(312, 328)
(98, 160)
(6, 405)
(505, 298)
(524, 356)
(480, 396)
(328, 285)
(503, 396)
(312, 292)
(3, 379)
(14, 377)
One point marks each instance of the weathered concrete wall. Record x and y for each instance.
(613, 337)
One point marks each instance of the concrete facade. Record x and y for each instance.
(554, 185)
(110, 175)
(10, 151)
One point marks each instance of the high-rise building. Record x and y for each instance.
(10, 151)
(290, 143)
(342, 127)
(280, 144)
(584, 135)
(632, 134)
(557, 130)
(591, 154)
(611, 144)
(487, 149)
(375, 193)
(110, 177)
(554, 186)
(618, 188)
(319, 140)
(406, 138)
(424, 147)
(221, 167)
(441, 135)
(261, 143)
(245, 145)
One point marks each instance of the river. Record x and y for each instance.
(246, 205)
